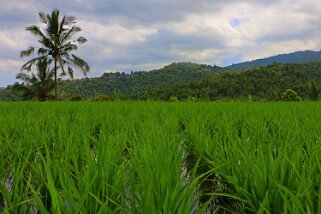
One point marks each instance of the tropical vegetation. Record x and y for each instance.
(190, 81)
(203, 82)
(57, 45)
(36, 85)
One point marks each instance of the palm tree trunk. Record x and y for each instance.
(1, 203)
(56, 94)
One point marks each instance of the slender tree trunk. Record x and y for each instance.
(56, 94)
(1, 203)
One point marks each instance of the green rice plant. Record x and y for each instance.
(157, 185)
(160, 157)
(261, 163)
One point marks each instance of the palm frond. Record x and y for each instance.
(62, 66)
(62, 24)
(69, 47)
(71, 72)
(68, 35)
(46, 42)
(80, 64)
(35, 30)
(53, 25)
(70, 20)
(81, 40)
(43, 51)
(43, 17)
(24, 77)
(27, 66)
(27, 52)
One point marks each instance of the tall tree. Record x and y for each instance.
(36, 85)
(57, 44)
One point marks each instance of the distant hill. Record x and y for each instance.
(185, 80)
(122, 83)
(296, 57)
(194, 81)
(263, 83)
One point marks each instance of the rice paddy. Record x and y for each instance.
(157, 157)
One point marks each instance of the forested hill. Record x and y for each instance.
(263, 83)
(296, 57)
(111, 83)
(193, 81)
(184, 80)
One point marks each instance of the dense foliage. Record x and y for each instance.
(157, 157)
(125, 84)
(267, 83)
(6, 94)
(35, 85)
(189, 81)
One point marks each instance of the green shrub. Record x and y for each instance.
(172, 99)
(76, 97)
(192, 99)
(290, 95)
(101, 97)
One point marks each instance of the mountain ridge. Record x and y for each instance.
(295, 57)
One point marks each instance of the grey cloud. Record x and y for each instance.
(127, 35)
(141, 11)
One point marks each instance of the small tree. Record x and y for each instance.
(36, 85)
(101, 97)
(172, 99)
(290, 95)
(76, 97)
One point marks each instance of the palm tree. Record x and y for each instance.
(56, 44)
(314, 90)
(36, 85)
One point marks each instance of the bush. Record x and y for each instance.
(101, 97)
(191, 99)
(290, 95)
(76, 97)
(172, 99)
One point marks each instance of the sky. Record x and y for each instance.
(134, 35)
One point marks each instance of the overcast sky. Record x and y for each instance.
(131, 35)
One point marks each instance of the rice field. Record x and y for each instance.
(157, 157)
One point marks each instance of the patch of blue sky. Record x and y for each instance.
(235, 22)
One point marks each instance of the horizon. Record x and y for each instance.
(148, 35)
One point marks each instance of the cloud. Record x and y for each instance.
(8, 71)
(126, 35)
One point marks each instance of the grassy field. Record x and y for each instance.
(153, 157)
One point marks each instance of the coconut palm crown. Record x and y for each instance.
(36, 85)
(56, 44)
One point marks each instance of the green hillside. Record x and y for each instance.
(267, 83)
(122, 83)
(194, 81)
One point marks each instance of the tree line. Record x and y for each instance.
(200, 82)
